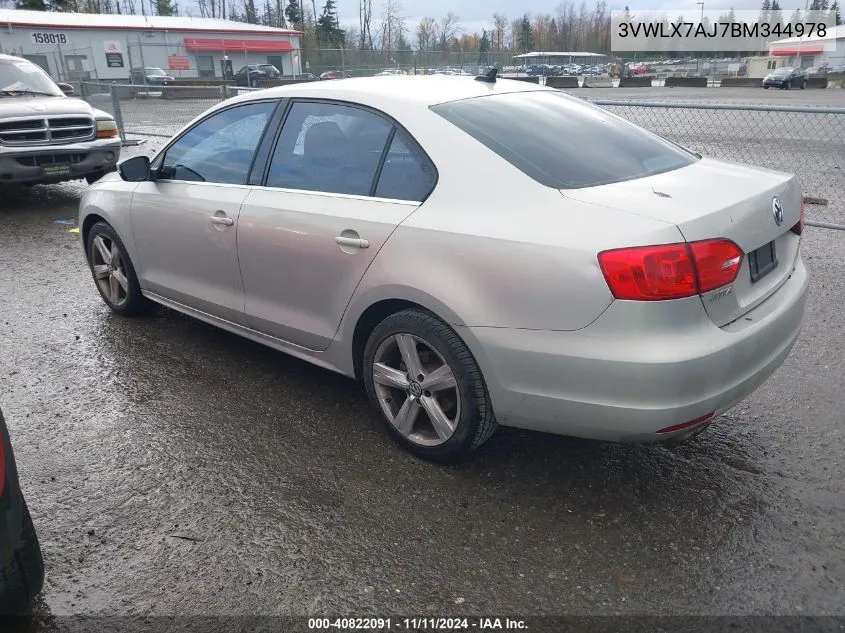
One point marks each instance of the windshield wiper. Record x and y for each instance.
(27, 92)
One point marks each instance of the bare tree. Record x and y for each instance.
(450, 28)
(426, 34)
(249, 11)
(392, 25)
(541, 29)
(500, 29)
(365, 18)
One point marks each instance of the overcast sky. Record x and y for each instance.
(477, 14)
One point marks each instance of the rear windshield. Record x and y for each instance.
(563, 142)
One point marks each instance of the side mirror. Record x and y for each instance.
(136, 169)
(67, 89)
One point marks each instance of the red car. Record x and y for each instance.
(335, 74)
(21, 565)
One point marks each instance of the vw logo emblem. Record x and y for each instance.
(777, 211)
(415, 389)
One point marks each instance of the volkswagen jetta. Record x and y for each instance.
(479, 252)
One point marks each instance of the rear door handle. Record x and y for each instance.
(216, 219)
(355, 242)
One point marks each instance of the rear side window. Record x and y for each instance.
(407, 174)
(328, 147)
(563, 142)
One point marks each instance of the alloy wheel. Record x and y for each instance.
(109, 272)
(416, 389)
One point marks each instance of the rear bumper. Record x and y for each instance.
(639, 368)
(56, 163)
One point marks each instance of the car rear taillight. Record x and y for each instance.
(798, 229)
(2, 467)
(670, 271)
(717, 263)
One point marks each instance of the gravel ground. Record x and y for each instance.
(172, 468)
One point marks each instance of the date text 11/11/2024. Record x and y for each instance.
(417, 624)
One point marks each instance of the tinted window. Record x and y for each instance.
(407, 174)
(329, 147)
(563, 142)
(220, 149)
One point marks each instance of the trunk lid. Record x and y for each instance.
(713, 199)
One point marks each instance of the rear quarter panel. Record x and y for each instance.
(495, 248)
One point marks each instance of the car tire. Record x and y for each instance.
(128, 300)
(464, 406)
(23, 575)
(765, 87)
(804, 84)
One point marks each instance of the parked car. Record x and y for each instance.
(817, 71)
(47, 136)
(21, 564)
(254, 74)
(335, 74)
(639, 291)
(150, 77)
(308, 76)
(541, 70)
(785, 78)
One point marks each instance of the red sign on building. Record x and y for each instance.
(178, 62)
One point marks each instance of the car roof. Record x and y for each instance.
(425, 90)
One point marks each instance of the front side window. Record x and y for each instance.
(563, 142)
(330, 148)
(220, 148)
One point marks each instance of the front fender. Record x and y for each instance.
(109, 198)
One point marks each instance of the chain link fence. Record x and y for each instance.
(808, 141)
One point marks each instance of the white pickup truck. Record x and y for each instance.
(47, 136)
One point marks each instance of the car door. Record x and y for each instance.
(340, 180)
(184, 221)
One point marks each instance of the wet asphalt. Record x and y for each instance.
(172, 468)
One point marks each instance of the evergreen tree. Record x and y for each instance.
(484, 48)
(329, 33)
(764, 11)
(31, 5)
(776, 16)
(292, 12)
(165, 7)
(836, 15)
(524, 37)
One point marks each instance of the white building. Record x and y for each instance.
(78, 46)
(813, 51)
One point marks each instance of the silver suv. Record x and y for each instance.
(46, 136)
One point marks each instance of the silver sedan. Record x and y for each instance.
(478, 252)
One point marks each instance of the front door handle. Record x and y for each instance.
(354, 242)
(216, 219)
